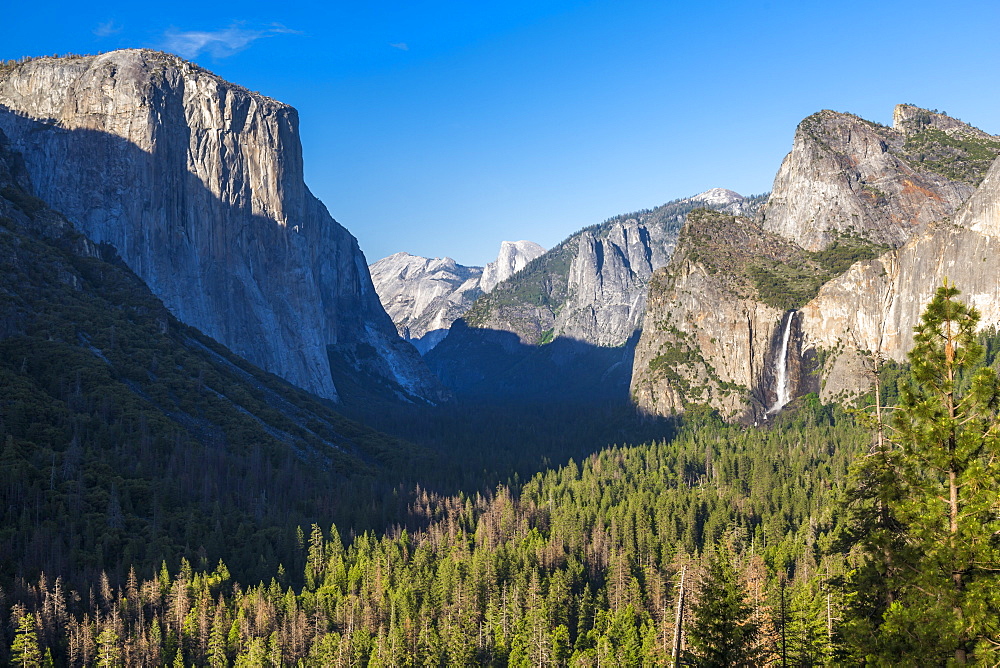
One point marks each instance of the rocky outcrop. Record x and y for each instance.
(512, 258)
(720, 312)
(848, 176)
(709, 338)
(198, 184)
(425, 296)
(566, 326)
(875, 306)
(592, 286)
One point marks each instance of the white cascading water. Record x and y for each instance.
(781, 380)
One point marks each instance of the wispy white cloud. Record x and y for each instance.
(220, 43)
(401, 46)
(107, 29)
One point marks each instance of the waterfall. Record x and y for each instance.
(781, 380)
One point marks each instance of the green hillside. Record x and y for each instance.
(128, 438)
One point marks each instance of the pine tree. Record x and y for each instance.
(24, 650)
(217, 640)
(108, 652)
(935, 490)
(723, 631)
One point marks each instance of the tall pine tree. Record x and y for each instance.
(724, 631)
(937, 487)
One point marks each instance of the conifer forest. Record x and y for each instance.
(831, 536)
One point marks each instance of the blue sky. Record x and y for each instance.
(442, 128)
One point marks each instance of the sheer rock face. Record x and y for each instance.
(846, 175)
(705, 328)
(707, 337)
(982, 212)
(198, 184)
(607, 282)
(609, 276)
(876, 305)
(719, 357)
(592, 287)
(425, 296)
(710, 339)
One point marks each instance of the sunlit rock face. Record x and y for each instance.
(876, 304)
(424, 296)
(708, 338)
(846, 175)
(923, 191)
(198, 183)
(512, 258)
(565, 327)
(592, 287)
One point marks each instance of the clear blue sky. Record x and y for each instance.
(442, 128)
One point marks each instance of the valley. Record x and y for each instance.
(726, 430)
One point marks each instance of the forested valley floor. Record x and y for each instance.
(819, 539)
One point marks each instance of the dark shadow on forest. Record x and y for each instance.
(519, 408)
(534, 407)
(487, 365)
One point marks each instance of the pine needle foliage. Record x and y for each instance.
(724, 631)
(932, 564)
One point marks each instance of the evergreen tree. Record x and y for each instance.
(25, 650)
(724, 631)
(108, 653)
(935, 488)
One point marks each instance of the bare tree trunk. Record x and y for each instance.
(676, 654)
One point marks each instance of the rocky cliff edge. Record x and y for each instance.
(198, 183)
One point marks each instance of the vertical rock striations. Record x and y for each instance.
(846, 175)
(569, 321)
(198, 184)
(876, 304)
(855, 238)
(592, 286)
(709, 337)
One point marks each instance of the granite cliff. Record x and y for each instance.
(512, 258)
(424, 296)
(198, 184)
(709, 336)
(117, 398)
(849, 247)
(592, 286)
(876, 304)
(568, 322)
(846, 175)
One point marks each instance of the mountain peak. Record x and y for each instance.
(910, 119)
(849, 176)
(718, 197)
(199, 188)
(512, 258)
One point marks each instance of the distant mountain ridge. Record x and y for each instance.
(591, 287)
(424, 296)
(198, 183)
